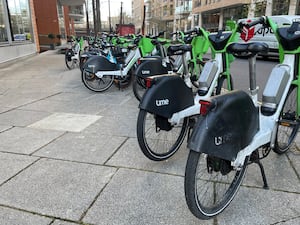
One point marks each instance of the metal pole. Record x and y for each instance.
(98, 15)
(87, 18)
(109, 21)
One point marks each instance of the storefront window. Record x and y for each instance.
(3, 33)
(20, 22)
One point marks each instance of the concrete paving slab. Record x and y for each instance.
(78, 106)
(69, 96)
(82, 148)
(254, 206)
(11, 164)
(111, 99)
(66, 122)
(26, 140)
(114, 126)
(142, 198)
(280, 175)
(21, 118)
(127, 110)
(16, 101)
(15, 217)
(56, 188)
(130, 156)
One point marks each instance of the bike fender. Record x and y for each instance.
(227, 128)
(169, 94)
(99, 63)
(152, 66)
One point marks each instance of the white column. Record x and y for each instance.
(200, 20)
(293, 6)
(221, 18)
(269, 7)
(251, 11)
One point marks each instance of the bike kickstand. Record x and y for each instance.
(255, 159)
(266, 186)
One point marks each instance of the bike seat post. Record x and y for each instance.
(185, 56)
(252, 77)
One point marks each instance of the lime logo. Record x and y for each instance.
(145, 72)
(162, 102)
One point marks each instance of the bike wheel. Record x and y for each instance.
(157, 139)
(94, 83)
(210, 184)
(68, 59)
(139, 87)
(288, 122)
(223, 86)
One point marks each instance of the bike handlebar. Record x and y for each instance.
(260, 20)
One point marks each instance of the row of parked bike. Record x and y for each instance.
(182, 94)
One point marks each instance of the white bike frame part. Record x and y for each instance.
(195, 109)
(267, 124)
(76, 52)
(130, 60)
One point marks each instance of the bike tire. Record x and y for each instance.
(69, 63)
(139, 87)
(222, 86)
(96, 84)
(208, 185)
(288, 123)
(159, 145)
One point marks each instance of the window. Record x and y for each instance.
(280, 7)
(20, 22)
(260, 8)
(3, 32)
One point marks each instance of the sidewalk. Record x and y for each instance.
(70, 156)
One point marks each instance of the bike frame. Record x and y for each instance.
(222, 63)
(268, 124)
(143, 49)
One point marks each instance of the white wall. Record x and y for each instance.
(13, 52)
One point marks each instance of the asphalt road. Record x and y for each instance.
(240, 73)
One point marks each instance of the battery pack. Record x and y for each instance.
(207, 75)
(274, 89)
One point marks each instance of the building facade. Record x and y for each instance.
(58, 19)
(27, 25)
(18, 33)
(173, 15)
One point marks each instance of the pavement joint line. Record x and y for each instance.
(270, 189)
(9, 128)
(138, 169)
(37, 100)
(4, 182)
(47, 143)
(126, 139)
(283, 221)
(45, 215)
(96, 197)
(293, 167)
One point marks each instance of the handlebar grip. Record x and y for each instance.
(261, 20)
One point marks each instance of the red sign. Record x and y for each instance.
(247, 33)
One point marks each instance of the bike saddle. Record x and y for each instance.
(219, 40)
(157, 42)
(290, 36)
(248, 50)
(179, 49)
